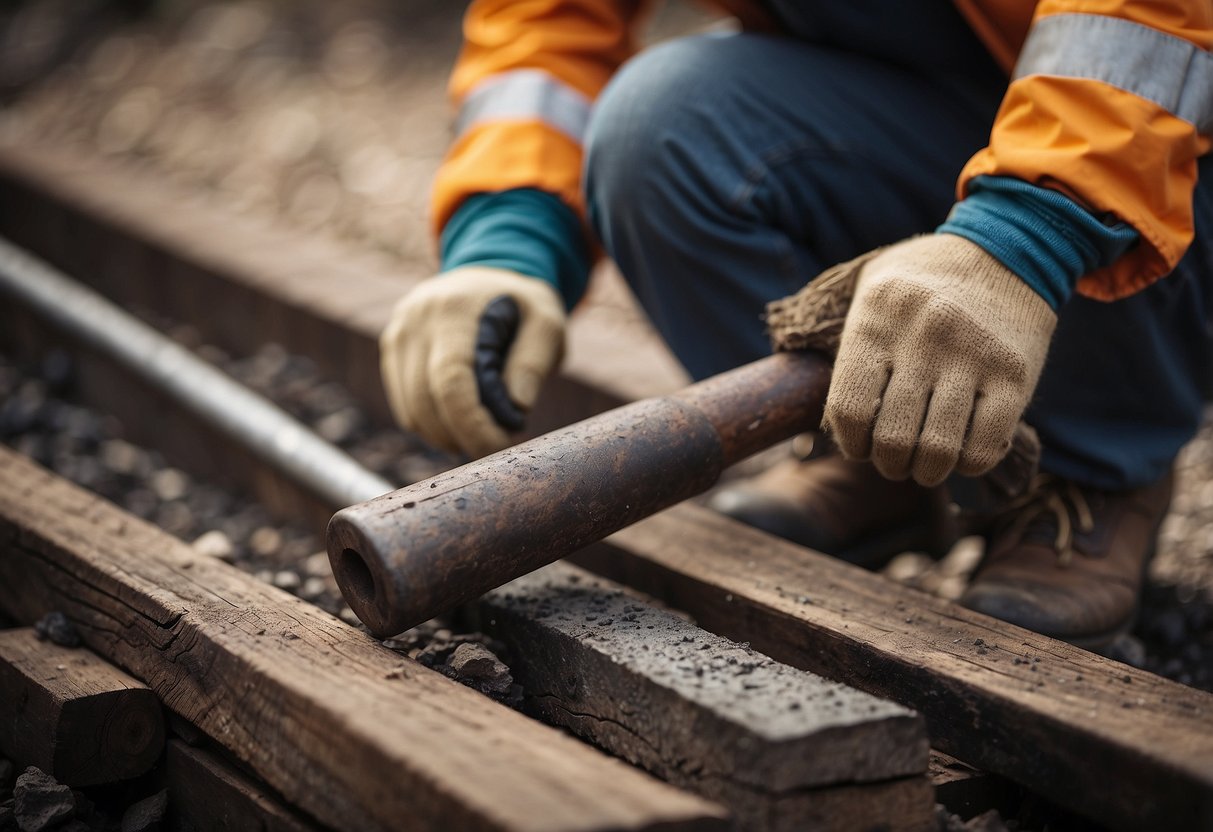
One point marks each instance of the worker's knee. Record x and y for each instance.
(653, 147)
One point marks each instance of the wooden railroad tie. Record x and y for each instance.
(1120, 745)
(74, 715)
(1135, 754)
(907, 802)
(345, 729)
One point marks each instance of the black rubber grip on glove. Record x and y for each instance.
(494, 336)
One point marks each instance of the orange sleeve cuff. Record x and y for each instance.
(502, 155)
(1111, 151)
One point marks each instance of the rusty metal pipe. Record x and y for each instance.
(407, 556)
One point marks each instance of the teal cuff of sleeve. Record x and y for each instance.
(524, 230)
(1045, 237)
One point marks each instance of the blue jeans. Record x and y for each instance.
(725, 171)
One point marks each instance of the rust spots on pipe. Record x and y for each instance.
(407, 556)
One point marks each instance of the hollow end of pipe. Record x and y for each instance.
(356, 577)
(358, 570)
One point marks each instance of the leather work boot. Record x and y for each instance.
(846, 509)
(1069, 562)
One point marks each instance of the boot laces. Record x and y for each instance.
(1050, 495)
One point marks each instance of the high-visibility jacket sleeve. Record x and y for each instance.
(524, 83)
(1111, 103)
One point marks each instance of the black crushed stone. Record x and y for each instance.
(41, 802)
(1175, 627)
(38, 801)
(57, 628)
(41, 417)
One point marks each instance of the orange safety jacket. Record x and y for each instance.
(1109, 102)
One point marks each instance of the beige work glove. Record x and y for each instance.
(428, 355)
(939, 355)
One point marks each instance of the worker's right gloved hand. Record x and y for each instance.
(940, 352)
(937, 356)
(464, 355)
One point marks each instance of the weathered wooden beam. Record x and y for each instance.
(148, 245)
(340, 726)
(208, 795)
(74, 715)
(1122, 746)
(781, 748)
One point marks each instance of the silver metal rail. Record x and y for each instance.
(239, 413)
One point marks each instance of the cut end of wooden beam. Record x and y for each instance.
(708, 704)
(74, 715)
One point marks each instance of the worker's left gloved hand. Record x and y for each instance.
(464, 354)
(940, 353)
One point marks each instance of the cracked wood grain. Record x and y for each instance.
(343, 728)
(1122, 746)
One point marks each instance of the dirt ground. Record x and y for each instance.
(331, 118)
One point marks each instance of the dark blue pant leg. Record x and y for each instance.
(726, 171)
(1125, 383)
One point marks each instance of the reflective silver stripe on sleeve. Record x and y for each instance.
(1173, 73)
(525, 94)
